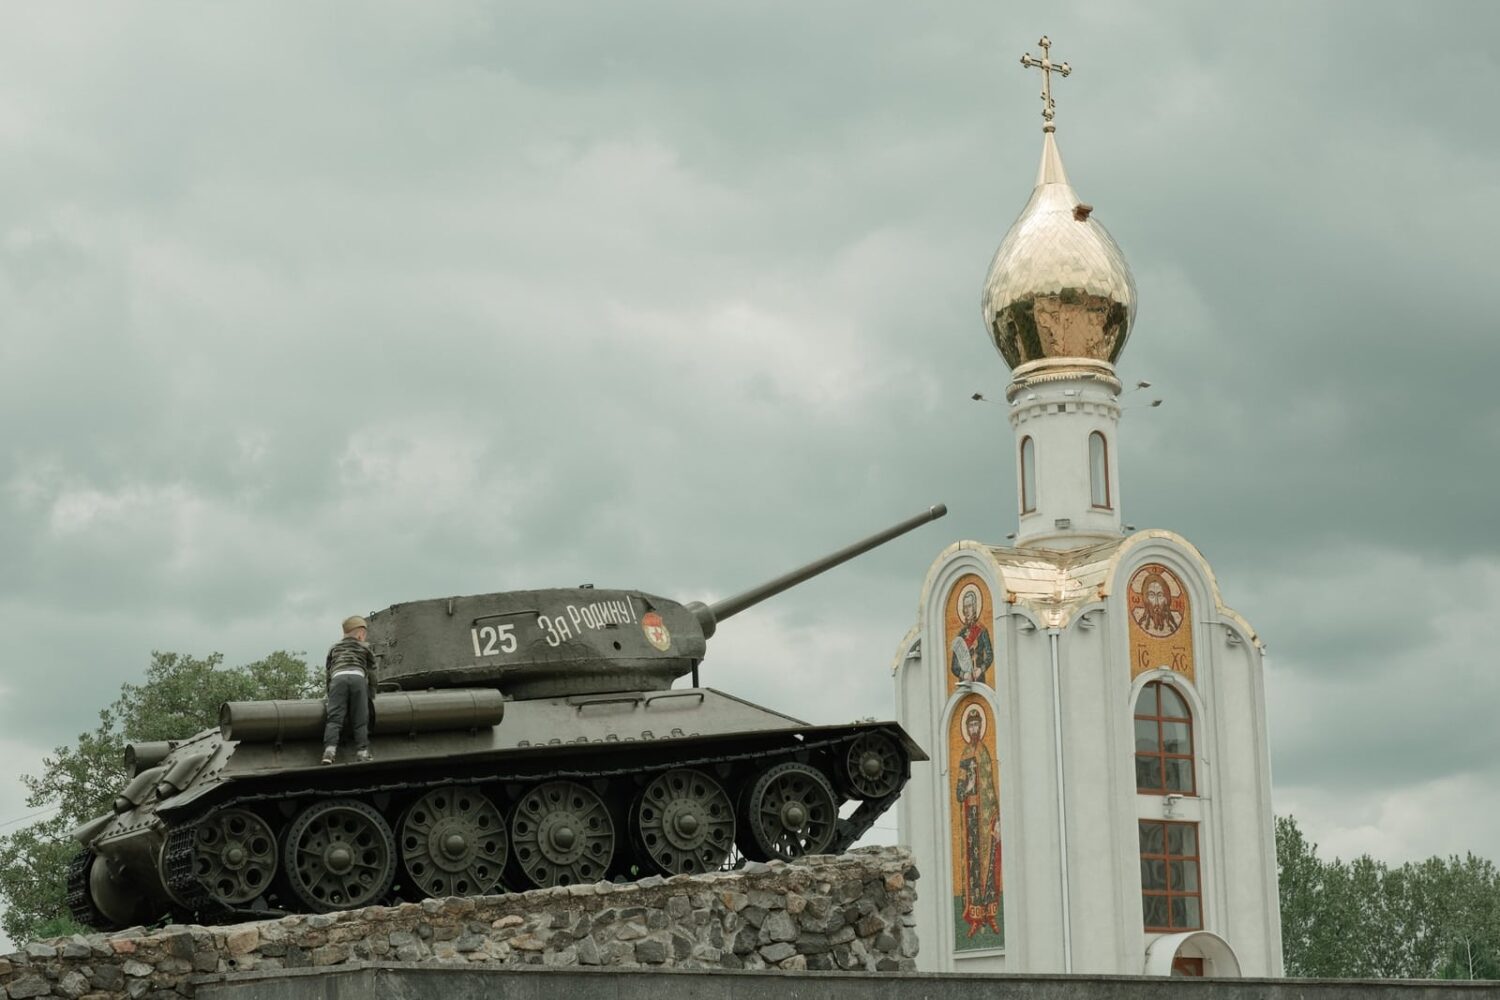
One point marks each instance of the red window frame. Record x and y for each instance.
(1175, 866)
(1157, 758)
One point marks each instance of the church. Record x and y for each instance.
(1098, 798)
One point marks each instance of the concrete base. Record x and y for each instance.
(412, 981)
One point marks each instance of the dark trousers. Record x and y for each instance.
(348, 698)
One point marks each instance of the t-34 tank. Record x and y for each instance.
(529, 738)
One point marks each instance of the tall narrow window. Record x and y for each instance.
(1163, 742)
(1171, 896)
(1028, 475)
(1099, 470)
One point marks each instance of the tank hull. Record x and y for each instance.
(650, 770)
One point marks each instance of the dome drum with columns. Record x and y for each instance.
(1098, 794)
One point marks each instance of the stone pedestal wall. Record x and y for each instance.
(849, 913)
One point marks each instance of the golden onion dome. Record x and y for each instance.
(1058, 286)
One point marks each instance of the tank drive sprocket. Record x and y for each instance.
(339, 854)
(234, 856)
(683, 821)
(790, 811)
(453, 842)
(874, 766)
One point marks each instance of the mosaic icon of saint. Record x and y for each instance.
(1156, 616)
(972, 653)
(977, 788)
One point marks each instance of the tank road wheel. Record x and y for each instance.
(790, 812)
(339, 854)
(453, 843)
(684, 822)
(234, 856)
(562, 834)
(873, 767)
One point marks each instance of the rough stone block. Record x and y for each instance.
(28, 985)
(651, 952)
(330, 954)
(108, 977)
(72, 985)
(767, 900)
(632, 930)
(566, 956)
(779, 926)
(589, 953)
(242, 940)
(778, 952)
(809, 943)
(134, 968)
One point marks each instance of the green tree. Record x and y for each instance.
(1363, 919)
(179, 696)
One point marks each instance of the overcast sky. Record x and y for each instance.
(309, 309)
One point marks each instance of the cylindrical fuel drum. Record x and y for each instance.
(396, 713)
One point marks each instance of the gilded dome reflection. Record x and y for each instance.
(1059, 286)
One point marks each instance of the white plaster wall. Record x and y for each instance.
(1233, 804)
(1097, 699)
(1061, 438)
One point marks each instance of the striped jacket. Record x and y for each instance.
(351, 654)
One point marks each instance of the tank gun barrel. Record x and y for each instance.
(709, 615)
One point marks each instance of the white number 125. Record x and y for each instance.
(494, 639)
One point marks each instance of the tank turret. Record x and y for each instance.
(545, 643)
(522, 739)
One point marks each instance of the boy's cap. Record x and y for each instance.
(352, 623)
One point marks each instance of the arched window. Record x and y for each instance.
(1028, 475)
(1163, 742)
(1099, 471)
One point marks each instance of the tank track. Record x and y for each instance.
(184, 885)
(80, 902)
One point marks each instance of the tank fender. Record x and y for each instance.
(86, 833)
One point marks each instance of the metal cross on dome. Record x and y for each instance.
(1049, 109)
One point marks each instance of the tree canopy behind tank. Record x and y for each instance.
(180, 695)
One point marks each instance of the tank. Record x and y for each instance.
(522, 739)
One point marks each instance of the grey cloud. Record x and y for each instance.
(330, 309)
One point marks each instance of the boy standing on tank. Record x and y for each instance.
(351, 672)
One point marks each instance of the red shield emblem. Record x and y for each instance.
(656, 631)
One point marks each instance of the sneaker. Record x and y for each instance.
(329, 753)
(364, 755)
